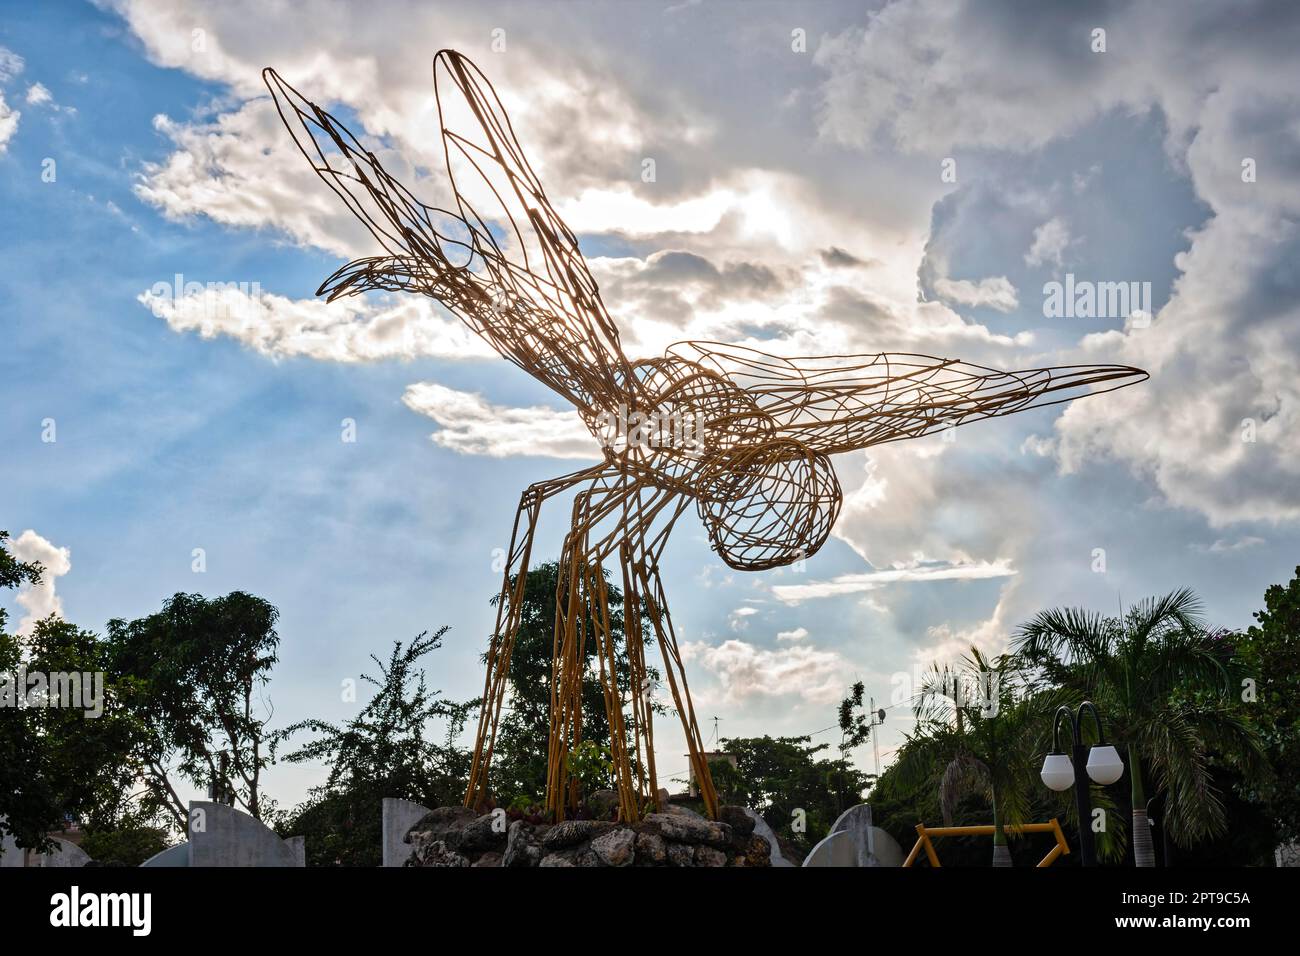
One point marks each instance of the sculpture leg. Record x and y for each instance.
(657, 609)
(642, 716)
(509, 609)
(582, 603)
(605, 516)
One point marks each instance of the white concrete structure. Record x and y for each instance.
(762, 829)
(853, 841)
(64, 855)
(399, 816)
(223, 836)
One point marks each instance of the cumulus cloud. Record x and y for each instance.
(346, 330)
(9, 118)
(473, 426)
(929, 75)
(1050, 242)
(932, 76)
(745, 672)
(242, 169)
(946, 644)
(39, 600)
(557, 105)
(995, 292)
(797, 634)
(11, 64)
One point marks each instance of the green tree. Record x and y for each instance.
(1271, 656)
(519, 755)
(726, 781)
(854, 721)
(1160, 679)
(783, 781)
(387, 750)
(979, 732)
(129, 841)
(195, 672)
(60, 759)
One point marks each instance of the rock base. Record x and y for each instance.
(457, 836)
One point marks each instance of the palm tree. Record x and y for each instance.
(979, 732)
(1160, 680)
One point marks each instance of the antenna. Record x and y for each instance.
(877, 718)
(717, 740)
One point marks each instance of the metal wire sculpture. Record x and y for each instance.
(744, 436)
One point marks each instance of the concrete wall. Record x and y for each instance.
(64, 855)
(853, 841)
(223, 836)
(178, 855)
(399, 816)
(762, 829)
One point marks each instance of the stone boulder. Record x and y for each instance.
(678, 828)
(615, 848)
(572, 832)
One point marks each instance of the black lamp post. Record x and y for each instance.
(1101, 763)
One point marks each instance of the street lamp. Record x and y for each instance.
(1101, 764)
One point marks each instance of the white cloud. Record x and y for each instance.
(242, 169)
(473, 426)
(946, 644)
(38, 94)
(11, 64)
(930, 75)
(739, 618)
(1050, 242)
(798, 634)
(995, 292)
(40, 600)
(871, 580)
(1225, 546)
(9, 118)
(347, 330)
(745, 672)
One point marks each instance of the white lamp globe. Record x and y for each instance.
(1058, 772)
(1104, 765)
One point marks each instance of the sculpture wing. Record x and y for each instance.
(502, 260)
(556, 321)
(839, 403)
(402, 224)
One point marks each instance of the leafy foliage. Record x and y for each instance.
(387, 750)
(980, 732)
(57, 762)
(1162, 682)
(193, 672)
(777, 777)
(1271, 658)
(129, 842)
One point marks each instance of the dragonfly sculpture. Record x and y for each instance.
(744, 437)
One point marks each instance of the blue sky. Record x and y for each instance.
(215, 423)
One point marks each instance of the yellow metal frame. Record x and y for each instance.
(924, 833)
